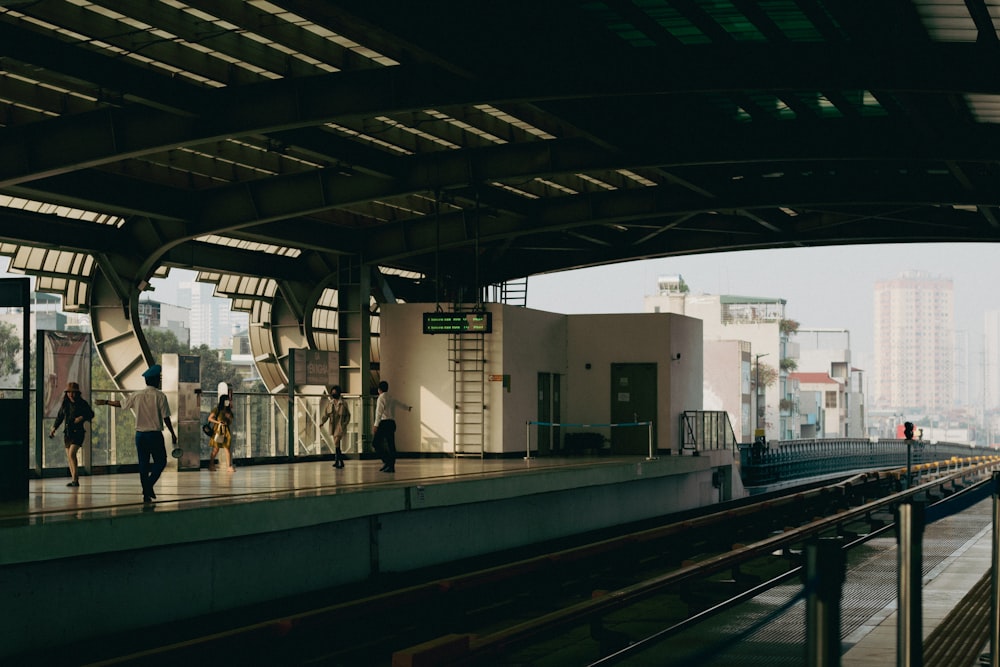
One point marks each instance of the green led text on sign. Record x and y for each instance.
(458, 323)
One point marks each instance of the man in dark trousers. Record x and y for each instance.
(384, 433)
(151, 413)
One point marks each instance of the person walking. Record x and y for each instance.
(384, 431)
(222, 417)
(151, 413)
(339, 417)
(75, 412)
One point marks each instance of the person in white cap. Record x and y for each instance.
(151, 413)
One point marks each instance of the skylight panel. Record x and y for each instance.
(252, 246)
(402, 273)
(517, 191)
(985, 108)
(618, 24)
(60, 211)
(733, 21)
(235, 286)
(673, 22)
(416, 132)
(368, 138)
(555, 186)
(73, 36)
(596, 181)
(792, 22)
(820, 104)
(48, 86)
(56, 263)
(226, 26)
(516, 122)
(397, 207)
(631, 175)
(284, 156)
(465, 127)
(218, 158)
(26, 107)
(170, 37)
(865, 102)
(950, 20)
(300, 22)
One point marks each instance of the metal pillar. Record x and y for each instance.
(909, 635)
(825, 564)
(994, 586)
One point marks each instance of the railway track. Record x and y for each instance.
(570, 596)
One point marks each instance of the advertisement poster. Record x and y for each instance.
(67, 359)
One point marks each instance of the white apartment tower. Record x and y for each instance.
(915, 343)
(212, 320)
(991, 361)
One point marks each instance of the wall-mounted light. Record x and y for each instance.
(676, 357)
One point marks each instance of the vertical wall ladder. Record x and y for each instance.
(468, 363)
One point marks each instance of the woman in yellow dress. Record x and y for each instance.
(221, 418)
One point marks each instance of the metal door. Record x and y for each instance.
(633, 399)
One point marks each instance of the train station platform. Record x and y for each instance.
(945, 586)
(93, 560)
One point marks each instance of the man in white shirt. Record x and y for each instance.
(151, 413)
(384, 431)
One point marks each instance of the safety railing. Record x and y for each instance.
(797, 459)
(823, 572)
(702, 430)
(259, 432)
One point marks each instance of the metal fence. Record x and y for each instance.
(796, 459)
(702, 430)
(259, 432)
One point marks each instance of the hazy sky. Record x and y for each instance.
(831, 287)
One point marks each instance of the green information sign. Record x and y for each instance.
(458, 323)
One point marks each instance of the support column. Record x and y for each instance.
(14, 406)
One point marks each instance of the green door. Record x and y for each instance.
(633, 399)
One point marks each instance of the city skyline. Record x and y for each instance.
(830, 287)
(827, 287)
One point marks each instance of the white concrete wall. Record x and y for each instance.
(602, 340)
(524, 343)
(416, 367)
(724, 385)
(534, 342)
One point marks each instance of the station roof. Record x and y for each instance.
(460, 143)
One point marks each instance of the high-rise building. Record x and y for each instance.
(991, 360)
(914, 343)
(213, 322)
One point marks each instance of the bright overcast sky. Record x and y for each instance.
(828, 287)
